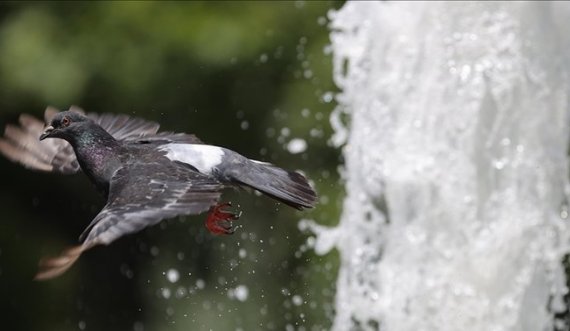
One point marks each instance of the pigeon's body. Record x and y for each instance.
(145, 176)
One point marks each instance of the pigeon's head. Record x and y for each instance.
(64, 125)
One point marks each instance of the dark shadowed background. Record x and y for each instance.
(251, 76)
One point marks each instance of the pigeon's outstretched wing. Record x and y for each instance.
(21, 144)
(140, 195)
(124, 127)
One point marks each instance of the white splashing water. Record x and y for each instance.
(456, 167)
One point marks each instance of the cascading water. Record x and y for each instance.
(456, 165)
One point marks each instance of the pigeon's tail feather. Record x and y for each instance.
(55, 266)
(289, 187)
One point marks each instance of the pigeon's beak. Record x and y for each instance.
(46, 133)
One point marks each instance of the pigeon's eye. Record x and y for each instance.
(65, 122)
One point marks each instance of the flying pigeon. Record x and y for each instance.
(145, 175)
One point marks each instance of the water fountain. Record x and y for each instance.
(456, 165)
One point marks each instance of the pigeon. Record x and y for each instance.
(145, 175)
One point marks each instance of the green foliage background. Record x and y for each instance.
(249, 76)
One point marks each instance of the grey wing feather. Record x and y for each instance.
(169, 137)
(133, 205)
(21, 144)
(123, 127)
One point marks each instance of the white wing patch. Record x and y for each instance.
(202, 157)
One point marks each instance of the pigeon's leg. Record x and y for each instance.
(219, 221)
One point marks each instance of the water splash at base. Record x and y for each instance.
(456, 165)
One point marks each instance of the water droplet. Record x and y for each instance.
(165, 292)
(263, 58)
(138, 326)
(126, 271)
(297, 300)
(172, 275)
(296, 146)
(181, 292)
(242, 253)
(499, 164)
(465, 72)
(327, 97)
(316, 133)
(241, 292)
(564, 213)
(311, 242)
